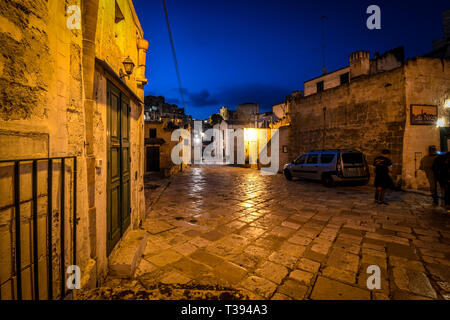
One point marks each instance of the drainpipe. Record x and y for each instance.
(89, 27)
(142, 46)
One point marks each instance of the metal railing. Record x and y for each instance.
(62, 240)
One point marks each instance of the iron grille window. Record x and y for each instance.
(43, 224)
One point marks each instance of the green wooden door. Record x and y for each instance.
(118, 181)
(126, 180)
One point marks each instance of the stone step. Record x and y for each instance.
(126, 257)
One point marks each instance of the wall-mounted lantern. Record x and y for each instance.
(128, 65)
(447, 103)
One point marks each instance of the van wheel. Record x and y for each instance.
(288, 175)
(327, 181)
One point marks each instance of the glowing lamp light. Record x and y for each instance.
(447, 103)
(250, 135)
(128, 65)
(197, 140)
(440, 122)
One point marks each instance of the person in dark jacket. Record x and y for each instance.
(426, 164)
(441, 169)
(383, 181)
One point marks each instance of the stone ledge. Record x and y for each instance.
(125, 259)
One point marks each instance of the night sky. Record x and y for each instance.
(231, 51)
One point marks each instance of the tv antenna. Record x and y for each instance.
(324, 69)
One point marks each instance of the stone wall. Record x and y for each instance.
(114, 42)
(247, 111)
(167, 167)
(330, 80)
(367, 114)
(427, 82)
(284, 136)
(280, 110)
(43, 114)
(373, 112)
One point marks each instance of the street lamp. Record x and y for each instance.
(250, 134)
(447, 103)
(128, 65)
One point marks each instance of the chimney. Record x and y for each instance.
(359, 64)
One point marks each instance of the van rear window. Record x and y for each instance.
(326, 158)
(353, 158)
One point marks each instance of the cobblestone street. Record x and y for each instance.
(269, 238)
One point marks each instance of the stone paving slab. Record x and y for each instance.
(155, 226)
(234, 230)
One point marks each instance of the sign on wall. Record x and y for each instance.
(423, 114)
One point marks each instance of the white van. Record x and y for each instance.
(329, 166)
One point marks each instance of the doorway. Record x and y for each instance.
(118, 152)
(153, 164)
(445, 139)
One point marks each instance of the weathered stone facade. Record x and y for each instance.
(162, 141)
(156, 108)
(247, 111)
(427, 82)
(53, 103)
(372, 113)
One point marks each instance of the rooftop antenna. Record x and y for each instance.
(324, 69)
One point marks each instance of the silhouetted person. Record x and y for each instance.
(426, 164)
(383, 181)
(441, 169)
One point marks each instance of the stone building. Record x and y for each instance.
(158, 147)
(227, 114)
(71, 86)
(371, 109)
(283, 124)
(247, 111)
(161, 119)
(157, 109)
(360, 64)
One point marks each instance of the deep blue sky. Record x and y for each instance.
(235, 51)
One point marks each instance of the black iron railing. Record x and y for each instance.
(60, 244)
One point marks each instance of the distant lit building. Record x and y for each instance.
(157, 109)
